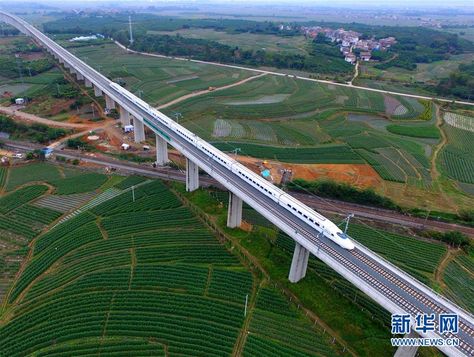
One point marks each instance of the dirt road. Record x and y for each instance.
(36, 119)
(281, 74)
(195, 94)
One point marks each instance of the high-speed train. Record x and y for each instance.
(317, 221)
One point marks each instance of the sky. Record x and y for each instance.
(358, 3)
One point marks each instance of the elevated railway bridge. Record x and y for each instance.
(388, 285)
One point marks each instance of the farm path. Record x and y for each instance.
(282, 74)
(434, 170)
(205, 91)
(441, 144)
(244, 330)
(266, 277)
(439, 272)
(34, 118)
(356, 73)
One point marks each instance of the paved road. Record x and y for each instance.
(386, 284)
(300, 77)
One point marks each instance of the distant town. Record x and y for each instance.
(349, 41)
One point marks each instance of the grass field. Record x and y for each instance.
(142, 277)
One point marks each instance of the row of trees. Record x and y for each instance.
(321, 58)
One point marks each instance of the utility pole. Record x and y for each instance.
(130, 28)
(347, 222)
(19, 69)
(246, 302)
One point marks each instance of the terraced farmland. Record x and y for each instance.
(457, 157)
(326, 154)
(33, 172)
(459, 279)
(145, 277)
(79, 183)
(417, 257)
(160, 80)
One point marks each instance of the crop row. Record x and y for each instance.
(230, 285)
(134, 222)
(16, 227)
(33, 172)
(3, 176)
(300, 336)
(213, 254)
(105, 346)
(325, 154)
(180, 277)
(79, 184)
(62, 230)
(461, 283)
(20, 197)
(28, 213)
(409, 251)
(48, 256)
(129, 182)
(259, 346)
(269, 300)
(458, 165)
(64, 203)
(179, 237)
(145, 190)
(159, 201)
(75, 268)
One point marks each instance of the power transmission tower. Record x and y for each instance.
(130, 27)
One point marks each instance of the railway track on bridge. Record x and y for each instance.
(388, 285)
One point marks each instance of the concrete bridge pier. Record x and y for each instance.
(299, 264)
(109, 102)
(407, 351)
(234, 212)
(192, 176)
(88, 83)
(161, 151)
(124, 116)
(138, 131)
(97, 91)
(79, 76)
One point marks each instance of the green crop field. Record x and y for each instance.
(79, 183)
(35, 172)
(270, 112)
(141, 277)
(417, 257)
(157, 80)
(458, 277)
(326, 154)
(457, 157)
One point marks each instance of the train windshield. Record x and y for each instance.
(343, 235)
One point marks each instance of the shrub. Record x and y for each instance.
(342, 191)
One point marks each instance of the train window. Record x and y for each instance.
(305, 216)
(311, 220)
(294, 209)
(288, 205)
(299, 212)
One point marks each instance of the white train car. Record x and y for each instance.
(312, 218)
